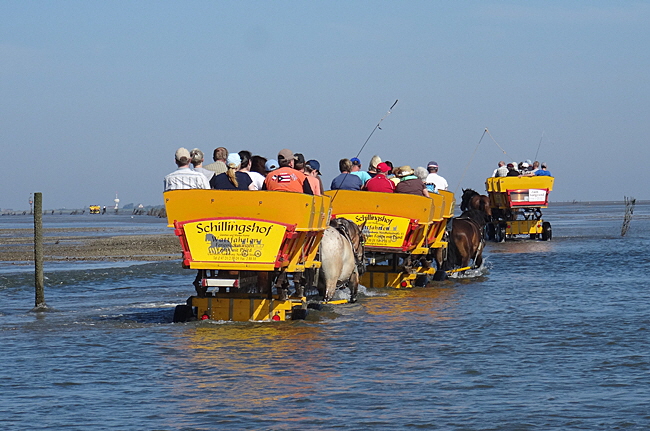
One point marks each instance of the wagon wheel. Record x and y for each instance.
(490, 231)
(547, 232)
(183, 313)
(500, 235)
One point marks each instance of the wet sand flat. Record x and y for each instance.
(17, 245)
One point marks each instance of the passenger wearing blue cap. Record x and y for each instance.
(312, 170)
(356, 170)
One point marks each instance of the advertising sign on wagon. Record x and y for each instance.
(234, 240)
(381, 230)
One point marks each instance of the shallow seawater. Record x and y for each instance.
(554, 336)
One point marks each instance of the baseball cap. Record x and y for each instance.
(314, 165)
(432, 164)
(233, 159)
(355, 161)
(182, 152)
(383, 167)
(286, 155)
(271, 165)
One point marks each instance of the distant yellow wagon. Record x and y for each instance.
(403, 233)
(246, 246)
(94, 209)
(516, 204)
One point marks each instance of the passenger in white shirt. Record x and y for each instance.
(434, 179)
(184, 177)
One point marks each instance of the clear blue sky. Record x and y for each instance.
(97, 96)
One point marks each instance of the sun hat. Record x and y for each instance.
(404, 171)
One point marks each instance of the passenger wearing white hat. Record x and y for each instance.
(184, 177)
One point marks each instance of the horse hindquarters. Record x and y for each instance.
(337, 264)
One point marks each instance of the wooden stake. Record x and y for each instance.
(38, 251)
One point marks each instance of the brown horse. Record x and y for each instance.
(466, 241)
(473, 200)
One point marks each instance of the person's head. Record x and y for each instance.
(182, 157)
(271, 165)
(544, 166)
(421, 173)
(502, 164)
(356, 164)
(233, 162)
(524, 166)
(245, 157)
(197, 157)
(257, 164)
(299, 164)
(390, 165)
(403, 171)
(383, 168)
(286, 158)
(432, 167)
(220, 153)
(312, 167)
(374, 161)
(512, 166)
(535, 165)
(345, 165)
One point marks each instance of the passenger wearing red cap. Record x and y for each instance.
(286, 178)
(380, 183)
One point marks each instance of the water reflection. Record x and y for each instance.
(408, 304)
(522, 246)
(250, 366)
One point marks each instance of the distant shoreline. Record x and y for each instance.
(83, 211)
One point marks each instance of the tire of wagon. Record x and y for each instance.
(183, 313)
(298, 313)
(547, 232)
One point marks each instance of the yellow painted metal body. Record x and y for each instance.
(397, 226)
(510, 192)
(524, 227)
(242, 307)
(396, 222)
(94, 209)
(248, 230)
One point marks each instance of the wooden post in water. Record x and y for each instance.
(38, 251)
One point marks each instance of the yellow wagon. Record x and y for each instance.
(403, 233)
(516, 204)
(246, 246)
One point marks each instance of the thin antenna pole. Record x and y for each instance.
(539, 145)
(367, 139)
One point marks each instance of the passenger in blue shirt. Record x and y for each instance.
(543, 171)
(356, 170)
(346, 181)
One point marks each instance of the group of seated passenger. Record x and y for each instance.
(290, 172)
(523, 169)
